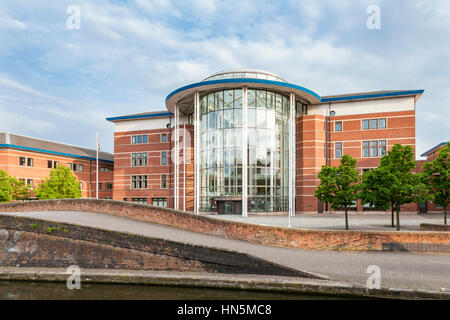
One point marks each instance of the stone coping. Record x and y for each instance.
(293, 285)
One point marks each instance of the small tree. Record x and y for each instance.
(61, 184)
(19, 190)
(375, 190)
(5, 187)
(338, 186)
(437, 177)
(399, 185)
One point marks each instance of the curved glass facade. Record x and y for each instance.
(267, 149)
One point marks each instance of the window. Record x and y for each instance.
(73, 166)
(49, 164)
(139, 200)
(99, 186)
(365, 124)
(81, 185)
(80, 168)
(302, 109)
(163, 158)
(30, 183)
(105, 169)
(374, 148)
(332, 113)
(374, 124)
(159, 202)
(108, 186)
(138, 182)
(366, 151)
(382, 148)
(163, 181)
(338, 126)
(55, 163)
(139, 159)
(139, 139)
(30, 162)
(338, 150)
(164, 137)
(22, 161)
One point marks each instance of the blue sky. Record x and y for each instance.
(61, 84)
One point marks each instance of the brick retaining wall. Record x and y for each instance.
(28, 242)
(419, 241)
(434, 227)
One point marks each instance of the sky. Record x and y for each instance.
(60, 83)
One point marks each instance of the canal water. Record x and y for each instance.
(24, 290)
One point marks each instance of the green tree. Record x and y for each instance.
(20, 191)
(5, 187)
(393, 181)
(374, 190)
(61, 184)
(437, 175)
(338, 186)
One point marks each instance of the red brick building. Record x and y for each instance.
(247, 141)
(31, 160)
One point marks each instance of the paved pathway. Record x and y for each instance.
(398, 270)
(378, 221)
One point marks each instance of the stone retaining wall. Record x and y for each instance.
(419, 241)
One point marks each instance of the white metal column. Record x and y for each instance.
(184, 164)
(197, 152)
(244, 154)
(176, 157)
(292, 158)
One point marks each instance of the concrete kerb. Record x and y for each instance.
(219, 281)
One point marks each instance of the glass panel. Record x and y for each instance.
(228, 99)
(365, 124)
(261, 118)
(238, 98)
(373, 124)
(251, 118)
(251, 97)
(382, 123)
(260, 99)
(228, 118)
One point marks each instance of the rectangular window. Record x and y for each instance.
(159, 202)
(382, 123)
(374, 148)
(163, 181)
(55, 163)
(133, 139)
(99, 186)
(139, 200)
(374, 124)
(22, 161)
(139, 139)
(81, 185)
(138, 182)
(164, 137)
(366, 149)
(163, 158)
(382, 148)
(80, 168)
(365, 124)
(338, 150)
(144, 139)
(338, 126)
(139, 159)
(105, 169)
(108, 186)
(30, 162)
(30, 183)
(49, 164)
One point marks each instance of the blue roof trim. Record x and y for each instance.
(52, 152)
(375, 95)
(243, 80)
(141, 116)
(434, 148)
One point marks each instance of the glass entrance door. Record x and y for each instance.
(229, 207)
